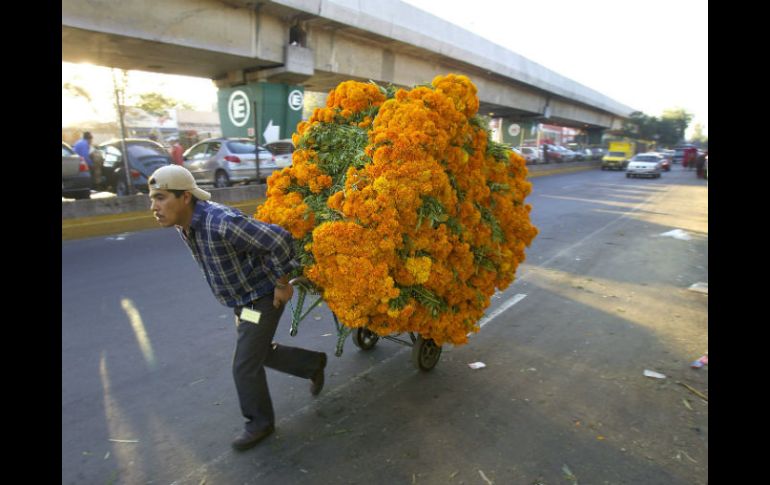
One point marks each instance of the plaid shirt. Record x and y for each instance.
(241, 257)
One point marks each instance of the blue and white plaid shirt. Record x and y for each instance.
(241, 257)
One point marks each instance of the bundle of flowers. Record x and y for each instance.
(407, 217)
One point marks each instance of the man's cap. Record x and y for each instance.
(176, 177)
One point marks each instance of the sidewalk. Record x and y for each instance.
(106, 216)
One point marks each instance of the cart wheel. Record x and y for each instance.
(425, 354)
(364, 338)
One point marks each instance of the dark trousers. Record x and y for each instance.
(256, 350)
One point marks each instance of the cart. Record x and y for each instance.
(425, 352)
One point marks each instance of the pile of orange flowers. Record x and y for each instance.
(407, 217)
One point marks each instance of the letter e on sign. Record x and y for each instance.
(296, 100)
(238, 108)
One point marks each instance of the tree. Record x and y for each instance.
(157, 104)
(641, 126)
(698, 138)
(675, 124)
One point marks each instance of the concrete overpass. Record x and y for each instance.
(319, 43)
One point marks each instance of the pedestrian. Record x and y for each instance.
(699, 163)
(83, 148)
(176, 151)
(545, 153)
(247, 263)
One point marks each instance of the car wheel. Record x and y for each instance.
(221, 180)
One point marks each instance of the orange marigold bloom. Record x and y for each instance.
(420, 235)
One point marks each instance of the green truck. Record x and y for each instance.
(618, 154)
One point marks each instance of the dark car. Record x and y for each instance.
(144, 157)
(75, 175)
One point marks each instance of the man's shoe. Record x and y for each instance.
(317, 381)
(247, 439)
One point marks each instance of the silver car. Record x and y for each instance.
(644, 165)
(75, 174)
(225, 161)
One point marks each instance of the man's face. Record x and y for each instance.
(168, 209)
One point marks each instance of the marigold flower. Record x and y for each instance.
(415, 230)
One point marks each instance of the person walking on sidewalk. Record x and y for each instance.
(246, 262)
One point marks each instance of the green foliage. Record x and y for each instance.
(425, 297)
(431, 210)
(157, 104)
(339, 147)
(668, 130)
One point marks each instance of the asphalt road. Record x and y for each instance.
(147, 392)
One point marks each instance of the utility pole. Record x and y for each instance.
(256, 140)
(119, 104)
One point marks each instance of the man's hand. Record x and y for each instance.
(282, 295)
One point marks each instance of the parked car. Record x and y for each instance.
(644, 164)
(225, 161)
(144, 157)
(597, 153)
(566, 154)
(529, 154)
(554, 154)
(75, 175)
(282, 149)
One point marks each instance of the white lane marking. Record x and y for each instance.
(502, 308)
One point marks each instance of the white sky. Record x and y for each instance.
(650, 55)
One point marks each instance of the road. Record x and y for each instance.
(147, 393)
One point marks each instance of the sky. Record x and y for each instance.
(650, 55)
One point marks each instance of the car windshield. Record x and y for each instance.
(241, 147)
(617, 154)
(645, 158)
(279, 148)
(66, 152)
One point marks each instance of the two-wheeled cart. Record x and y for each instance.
(425, 352)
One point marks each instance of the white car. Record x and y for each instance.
(530, 154)
(644, 165)
(527, 153)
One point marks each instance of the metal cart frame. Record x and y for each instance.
(425, 352)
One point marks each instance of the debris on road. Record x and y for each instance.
(687, 404)
(694, 391)
(651, 373)
(477, 365)
(124, 441)
(485, 477)
(568, 474)
(700, 362)
(677, 234)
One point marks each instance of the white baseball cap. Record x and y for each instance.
(176, 177)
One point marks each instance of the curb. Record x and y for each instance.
(85, 227)
(112, 224)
